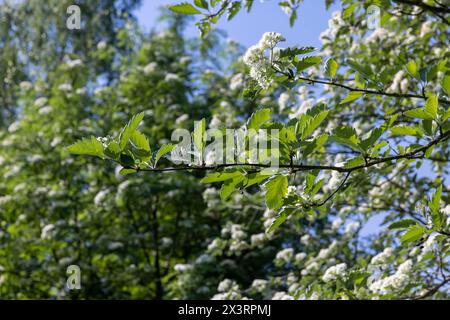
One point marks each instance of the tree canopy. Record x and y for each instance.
(169, 167)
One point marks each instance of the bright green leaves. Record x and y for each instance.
(402, 130)
(347, 136)
(233, 180)
(353, 95)
(431, 106)
(186, 8)
(131, 149)
(276, 190)
(258, 118)
(129, 129)
(446, 84)
(140, 146)
(330, 68)
(201, 4)
(414, 230)
(437, 217)
(310, 122)
(411, 67)
(165, 149)
(87, 146)
(307, 62)
(402, 224)
(413, 233)
(428, 112)
(221, 176)
(281, 218)
(113, 150)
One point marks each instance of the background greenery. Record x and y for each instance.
(166, 235)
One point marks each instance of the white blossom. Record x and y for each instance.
(335, 272)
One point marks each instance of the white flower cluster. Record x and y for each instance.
(282, 296)
(285, 255)
(335, 272)
(383, 257)
(259, 63)
(400, 83)
(237, 81)
(395, 282)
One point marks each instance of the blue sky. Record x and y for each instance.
(267, 16)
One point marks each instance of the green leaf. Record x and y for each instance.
(330, 67)
(307, 62)
(87, 146)
(419, 113)
(280, 218)
(349, 10)
(402, 130)
(113, 150)
(184, 8)
(446, 84)
(431, 106)
(129, 129)
(126, 160)
(354, 162)
(413, 233)
(258, 118)
(351, 97)
(435, 200)
(446, 115)
(165, 149)
(375, 134)
(402, 224)
(295, 51)
(311, 124)
(230, 186)
(125, 171)
(140, 141)
(411, 67)
(365, 71)
(276, 189)
(220, 176)
(201, 4)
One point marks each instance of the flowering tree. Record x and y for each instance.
(359, 130)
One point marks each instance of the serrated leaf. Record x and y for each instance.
(431, 106)
(220, 176)
(140, 141)
(129, 129)
(351, 97)
(258, 118)
(201, 4)
(307, 62)
(413, 233)
(230, 186)
(311, 124)
(87, 146)
(411, 67)
(165, 149)
(125, 171)
(276, 190)
(330, 67)
(446, 84)
(419, 113)
(184, 8)
(280, 218)
(402, 130)
(402, 224)
(354, 162)
(113, 150)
